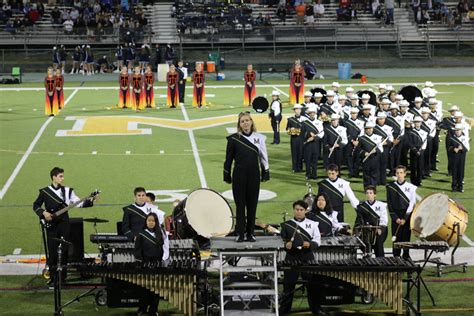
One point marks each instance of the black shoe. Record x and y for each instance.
(435, 169)
(461, 189)
(319, 311)
(251, 238)
(239, 238)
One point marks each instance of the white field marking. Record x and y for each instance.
(128, 152)
(281, 91)
(30, 149)
(454, 83)
(194, 147)
(162, 151)
(60, 153)
(94, 152)
(17, 251)
(10, 110)
(201, 150)
(231, 130)
(34, 110)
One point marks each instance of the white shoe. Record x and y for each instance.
(321, 77)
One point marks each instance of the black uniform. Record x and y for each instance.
(458, 159)
(250, 155)
(296, 142)
(133, 219)
(311, 149)
(334, 135)
(324, 223)
(149, 248)
(384, 155)
(435, 148)
(374, 214)
(448, 124)
(370, 168)
(395, 150)
(352, 152)
(306, 230)
(417, 142)
(336, 190)
(275, 119)
(401, 198)
(181, 84)
(54, 199)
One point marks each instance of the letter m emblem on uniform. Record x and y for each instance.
(407, 189)
(308, 226)
(256, 141)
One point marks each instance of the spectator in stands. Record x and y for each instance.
(344, 3)
(425, 17)
(444, 11)
(77, 4)
(259, 20)
(17, 24)
(389, 6)
(158, 56)
(343, 13)
(74, 14)
(318, 9)
(64, 15)
(375, 6)
(415, 4)
(268, 20)
(169, 54)
(309, 13)
(56, 16)
(7, 9)
(450, 18)
(68, 26)
(281, 12)
(300, 13)
(40, 8)
(10, 28)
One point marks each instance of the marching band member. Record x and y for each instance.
(365, 102)
(373, 212)
(293, 127)
(336, 188)
(329, 108)
(135, 214)
(307, 102)
(349, 94)
(137, 86)
(51, 104)
(313, 131)
(151, 245)
(172, 77)
(301, 237)
(401, 199)
(149, 91)
(317, 100)
(371, 147)
(335, 87)
(458, 145)
(183, 75)
(335, 138)
(427, 88)
(397, 123)
(417, 140)
(365, 113)
(429, 124)
(150, 200)
(199, 94)
(416, 110)
(276, 116)
(247, 148)
(249, 90)
(382, 93)
(448, 124)
(297, 83)
(59, 83)
(124, 94)
(355, 129)
(323, 213)
(386, 132)
(341, 100)
(438, 117)
(408, 119)
(398, 99)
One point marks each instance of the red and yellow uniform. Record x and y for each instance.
(173, 92)
(249, 89)
(59, 91)
(199, 95)
(124, 94)
(297, 86)
(51, 104)
(149, 91)
(138, 97)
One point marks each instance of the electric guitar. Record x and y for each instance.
(48, 224)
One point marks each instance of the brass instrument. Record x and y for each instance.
(293, 131)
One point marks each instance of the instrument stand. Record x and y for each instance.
(440, 265)
(414, 282)
(419, 278)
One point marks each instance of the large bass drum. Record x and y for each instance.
(202, 215)
(434, 219)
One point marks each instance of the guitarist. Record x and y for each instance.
(50, 200)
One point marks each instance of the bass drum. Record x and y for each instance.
(434, 219)
(260, 104)
(202, 215)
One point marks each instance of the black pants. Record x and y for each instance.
(61, 229)
(275, 121)
(297, 153)
(416, 166)
(148, 99)
(339, 208)
(336, 157)
(172, 94)
(148, 302)
(297, 91)
(404, 152)
(459, 161)
(394, 157)
(450, 156)
(353, 159)
(379, 240)
(427, 157)
(289, 283)
(199, 96)
(403, 234)
(434, 151)
(124, 95)
(311, 156)
(383, 165)
(245, 188)
(181, 90)
(371, 170)
(249, 94)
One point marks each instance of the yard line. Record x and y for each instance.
(281, 91)
(311, 84)
(197, 159)
(29, 150)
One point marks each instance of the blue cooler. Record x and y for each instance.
(344, 70)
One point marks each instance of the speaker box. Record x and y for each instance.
(76, 237)
(123, 294)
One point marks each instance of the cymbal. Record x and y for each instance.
(64, 241)
(95, 220)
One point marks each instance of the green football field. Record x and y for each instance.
(171, 151)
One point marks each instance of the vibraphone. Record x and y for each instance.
(381, 277)
(338, 248)
(438, 246)
(175, 280)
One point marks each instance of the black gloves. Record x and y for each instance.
(266, 175)
(227, 177)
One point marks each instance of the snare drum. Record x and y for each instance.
(434, 217)
(203, 213)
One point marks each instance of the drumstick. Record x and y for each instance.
(394, 238)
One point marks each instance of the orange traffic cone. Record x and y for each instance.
(363, 79)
